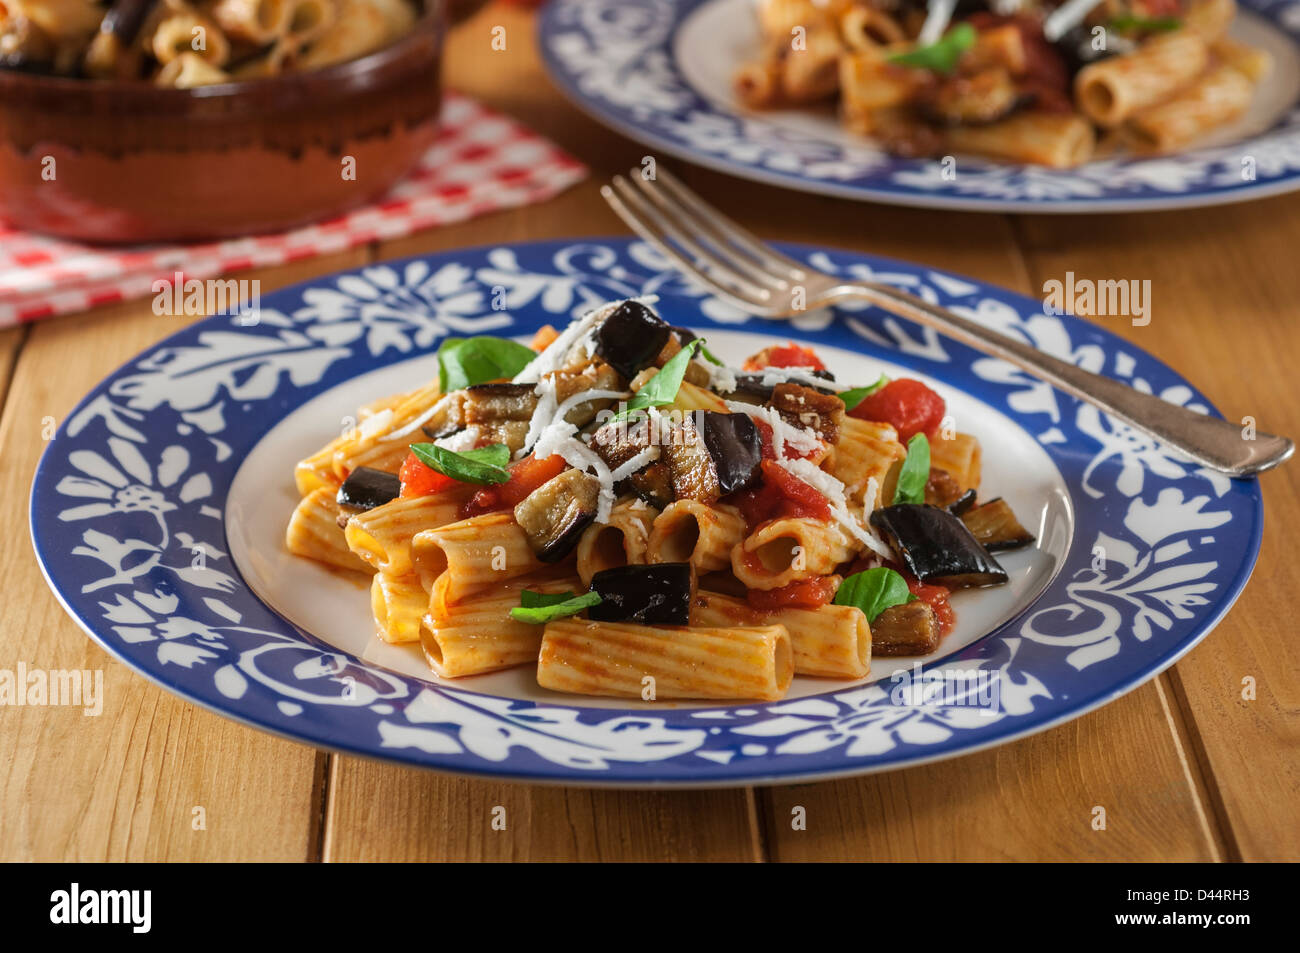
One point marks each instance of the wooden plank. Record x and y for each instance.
(124, 785)
(1034, 800)
(422, 816)
(1223, 313)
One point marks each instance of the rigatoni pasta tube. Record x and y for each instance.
(689, 531)
(472, 554)
(189, 70)
(479, 635)
(620, 542)
(787, 550)
(258, 21)
(360, 28)
(316, 471)
(960, 456)
(383, 536)
(1222, 94)
(1111, 90)
(398, 604)
(1051, 139)
(830, 641)
(864, 450)
(188, 32)
(863, 27)
(1209, 19)
(609, 658)
(372, 442)
(314, 532)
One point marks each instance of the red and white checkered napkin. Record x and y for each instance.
(482, 161)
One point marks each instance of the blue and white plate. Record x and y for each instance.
(158, 514)
(659, 71)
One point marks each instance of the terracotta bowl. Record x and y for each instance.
(119, 162)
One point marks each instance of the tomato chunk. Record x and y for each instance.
(782, 495)
(419, 479)
(768, 448)
(937, 597)
(908, 405)
(784, 355)
(526, 475)
(803, 594)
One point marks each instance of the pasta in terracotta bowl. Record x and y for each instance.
(165, 120)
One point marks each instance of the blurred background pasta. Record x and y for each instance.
(175, 43)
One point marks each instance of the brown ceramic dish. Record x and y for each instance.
(115, 162)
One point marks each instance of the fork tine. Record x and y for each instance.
(778, 265)
(650, 224)
(698, 225)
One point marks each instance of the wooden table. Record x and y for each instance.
(1186, 768)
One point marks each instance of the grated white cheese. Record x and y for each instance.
(831, 488)
(643, 459)
(799, 438)
(579, 333)
(722, 379)
(419, 421)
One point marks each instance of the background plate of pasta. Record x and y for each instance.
(1015, 105)
(547, 512)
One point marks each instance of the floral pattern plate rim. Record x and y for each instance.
(618, 61)
(133, 484)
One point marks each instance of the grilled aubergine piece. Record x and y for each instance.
(936, 547)
(555, 514)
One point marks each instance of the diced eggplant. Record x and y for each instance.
(631, 337)
(658, 594)
(594, 375)
(805, 407)
(654, 484)
(750, 389)
(617, 443)
(495, 403)
(941, 489)
(366, 488)
(736, 448)
(690, 467)
(447, 416)
(936, 547)
(555, 514)
(996, 527)
(960, 505)
(906, 629)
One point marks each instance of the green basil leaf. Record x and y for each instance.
(941, 56)
(873, 591)
(1131, 23)
(484, 465)
(915, 472)
(546, 607)
(464, 362)
(661, 389)
(857, 395)
(709, 355)
(537, 600)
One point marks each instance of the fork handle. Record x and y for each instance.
(1211, 441)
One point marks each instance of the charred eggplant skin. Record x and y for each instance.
(658, 594)
(366, 488)
(936, 547)
(736, 448)
(631, 338)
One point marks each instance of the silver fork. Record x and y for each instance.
(739, 268)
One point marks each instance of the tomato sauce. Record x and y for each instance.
(781, 496)
(804, 594)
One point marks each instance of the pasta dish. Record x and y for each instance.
(184, 44)
(616, 507)
(1018, 80)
